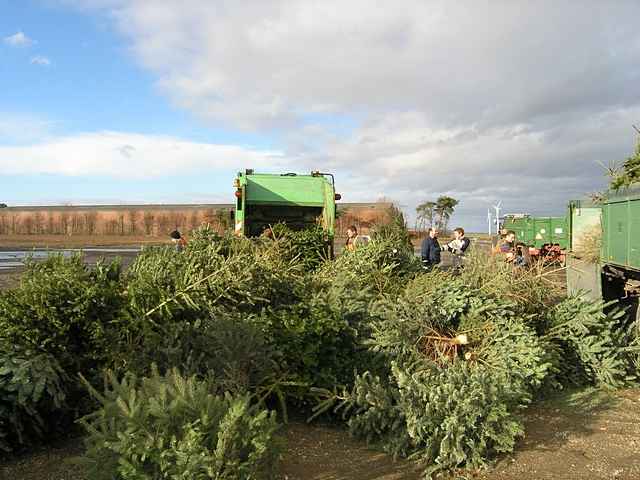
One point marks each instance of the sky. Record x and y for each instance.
(123, 101)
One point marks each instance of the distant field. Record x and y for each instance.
(138, 224)
(76, 241)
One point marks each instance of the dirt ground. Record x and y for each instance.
(585, 435)
(9, 279)
(589, 434)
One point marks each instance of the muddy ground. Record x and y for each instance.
(580, 435)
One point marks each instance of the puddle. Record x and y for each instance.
(12, 259)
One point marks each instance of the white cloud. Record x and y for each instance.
(274, 61)
(18, 39)
(129, 155)
(16, 128)
(479, 99)
(40, 60)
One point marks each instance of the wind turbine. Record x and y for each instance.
(496, 207)
(489, 220)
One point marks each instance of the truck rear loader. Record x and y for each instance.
(299, 201)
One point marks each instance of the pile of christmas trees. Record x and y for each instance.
(461, 356)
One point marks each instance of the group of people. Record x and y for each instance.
(431, 248)
(513, 252)
(516, 253)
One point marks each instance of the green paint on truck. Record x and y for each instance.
(299, 201)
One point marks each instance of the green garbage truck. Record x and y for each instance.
(299, 201)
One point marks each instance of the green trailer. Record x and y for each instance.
(621, 232)
(615, 275)
(540, 233)
(299, 201)
(620, 252)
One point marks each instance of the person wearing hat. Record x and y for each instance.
(179, 241)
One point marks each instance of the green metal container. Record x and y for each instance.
(621, 231)
(584, 219)
(583, 275)
(297, 200)
(539, 231)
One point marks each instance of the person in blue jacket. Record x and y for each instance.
(430, 250)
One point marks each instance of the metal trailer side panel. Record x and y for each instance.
(584, 218)
(559, 231)
(522, 227)
(542, 231)
(583, 277)
(538, 231)
(616, 233)
(550, 230)
(621, 233)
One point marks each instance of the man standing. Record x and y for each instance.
(430, 250)
(458, 247)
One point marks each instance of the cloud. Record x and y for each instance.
(40, 60)
(276, 61)
(517, 100)
(130, 155)
(18, 39)
(18, 128)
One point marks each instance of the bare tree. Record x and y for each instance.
(209, 216)
(77, 224)
(163, 224)
(50, 227)
(90, 222)
(121, 223)
(38, 223)
(194, 221)
(132, 217)
(148, 219)
(425, 214)
(178, 220)
(28, 224)
(64, 222)
(15, 223)
(111, 227)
